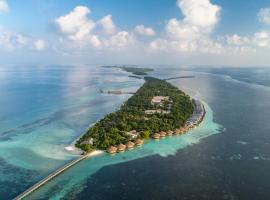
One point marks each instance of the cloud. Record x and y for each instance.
(76, 25)
(142, 30)
(237, 40)
(10, 40)
(39, 44)
(264, 15)
(120, 40)
(192, 33)
(3, 6)
(262, 39)
(200, 13)
(200, 17)
(85, 34)
(107, 24)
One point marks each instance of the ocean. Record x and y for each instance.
(44, 109)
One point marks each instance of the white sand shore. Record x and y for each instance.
(95, 153)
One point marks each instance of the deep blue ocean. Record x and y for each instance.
(44, 109)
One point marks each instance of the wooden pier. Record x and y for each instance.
(49, 177)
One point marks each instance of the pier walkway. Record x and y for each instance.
(49, 177)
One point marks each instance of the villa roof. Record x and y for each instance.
(156, 136)
(111, 149)
(139, 142)
(121, 147)
(130, 144)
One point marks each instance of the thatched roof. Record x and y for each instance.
(139, 142)
(182, 129)
(156, 136)
(121, 147)
(162, 134)
(112, 149)
(169, 132)
(130, 144)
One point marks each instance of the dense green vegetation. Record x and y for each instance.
(111, 130)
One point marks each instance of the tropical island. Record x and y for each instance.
(157, 109)
(136, 71)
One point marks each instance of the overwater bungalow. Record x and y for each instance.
(177, 131)
(139, 142)
(162, 134)
(130, 144)
(182, 130)
(121, 147)
(156, 136)
(112, 150)
(169, 133)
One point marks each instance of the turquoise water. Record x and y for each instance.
(233, 164)
(43, 109)
(74, 177)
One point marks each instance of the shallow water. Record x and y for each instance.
(76, 176)
(231, 165)
(200, 165)
(43, 110)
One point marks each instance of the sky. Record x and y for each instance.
(184, 32)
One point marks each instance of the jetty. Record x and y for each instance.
(50, 177)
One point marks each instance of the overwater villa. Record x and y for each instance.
(139, 142)
(121, 147)
(112, 150)
(169, 133)
(130, 144)
(177, 131)
(156, 136)
(162, 134)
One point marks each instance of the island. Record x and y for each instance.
(156, 110)
(136, 71)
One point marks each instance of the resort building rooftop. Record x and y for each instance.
(159, 99)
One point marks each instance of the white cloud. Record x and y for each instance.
(262, 39)
(10, 40)
(142, 30)
(200, 13)
(200, 17)
(107, 24)
(76, 25)
(95, 41)
(3, 6)
(39, 44)
(259, 41)
(237, 40)
(121, 40)
(264, 15)
(192, 33)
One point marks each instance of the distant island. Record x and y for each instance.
(157, 109)
(137, 71)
